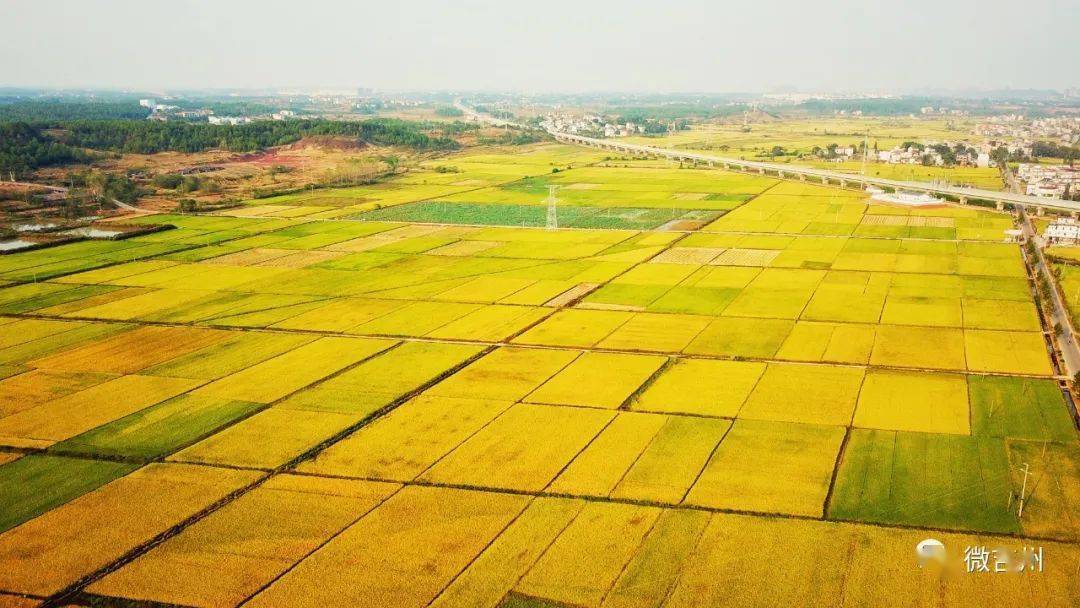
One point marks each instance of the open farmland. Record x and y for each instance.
(800, 137)
(287, 407)
(431, 179)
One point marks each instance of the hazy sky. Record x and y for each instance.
(542, 45)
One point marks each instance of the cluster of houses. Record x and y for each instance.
(165, 112)
(921, 155)
(590, 124)
(1063, 231)
(1063, 130)
(941, 111)
(1050, 181)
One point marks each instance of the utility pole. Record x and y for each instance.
(552, 214)
(1023, 494)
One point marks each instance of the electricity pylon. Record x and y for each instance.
(865, 151)
(552, 214)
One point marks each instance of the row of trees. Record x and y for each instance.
(449, 112)
(25, 146)
(1043, 149)
(54, 110)
(148, 137)
(512, 138)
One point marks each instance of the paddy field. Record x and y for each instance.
(413, 394)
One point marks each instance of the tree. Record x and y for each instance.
(391, 161)
(448, 111)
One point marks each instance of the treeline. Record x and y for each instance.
(448, 112)
(901, 106)
(150, 136)
(512, 138)
(24, 148)
(1045, 149)
(674, 111)
(51, 111)
(230, 108)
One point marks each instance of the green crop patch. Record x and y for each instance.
(535, 215)
(1019, 408)
(161, 429)
(35, 483)
(925, 479)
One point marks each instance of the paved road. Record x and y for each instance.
(33, 185)
(477, 116)
(1059, 314)
(131, 208)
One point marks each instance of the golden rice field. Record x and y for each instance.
(768, 408)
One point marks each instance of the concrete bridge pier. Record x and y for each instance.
(1039, 211)
(802, 177)
(1000, 206)
(963, 200)
(761, 171)
(843, 183)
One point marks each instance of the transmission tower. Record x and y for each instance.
(865, 151)
(552, 214)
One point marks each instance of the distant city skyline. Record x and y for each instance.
(556, 46)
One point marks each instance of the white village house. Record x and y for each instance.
(1063, 231)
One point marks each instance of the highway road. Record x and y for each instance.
(785, 170)
(826, 176)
